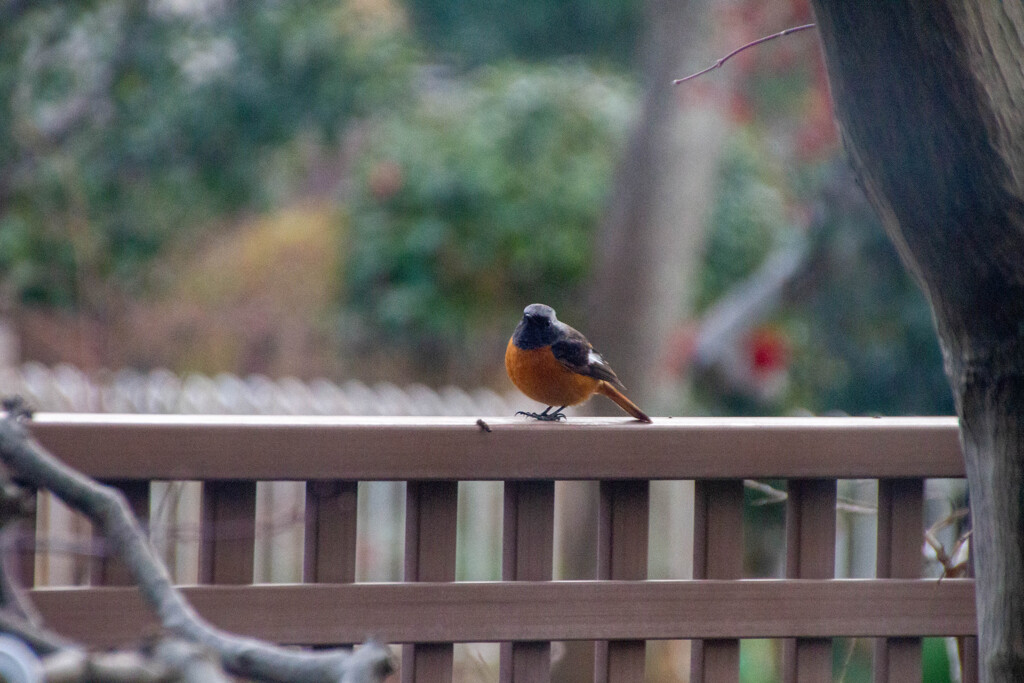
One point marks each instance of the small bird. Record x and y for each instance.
(554, 364)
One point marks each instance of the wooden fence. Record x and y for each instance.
(619, 610)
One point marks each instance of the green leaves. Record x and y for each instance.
(143, 122)
(482, 198)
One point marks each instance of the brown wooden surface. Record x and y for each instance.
(25, 533)
(810, 554)
(528, 523)
(330, 541)
(366, 448)
(227, 532)
(900, 536)
(545, 610)
(431, 514)
(717, 554)
(529, 611)
(968, 659)
(622, 532)
(106, 569)
(967, 646)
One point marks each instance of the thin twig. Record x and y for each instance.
(846, 660)
(773, 495)
(109, 511)
(723, 60)
(951, 568)
(854, 507)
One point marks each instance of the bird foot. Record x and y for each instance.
(545, 416)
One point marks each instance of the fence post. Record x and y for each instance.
(968, 646)
(227, 532)
(900, 533)
(431, 515)
(810, 554)
(717, 554)
(527, 555)
(622, 530)
(27, 533)
(330, 543)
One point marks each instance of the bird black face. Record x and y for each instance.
(539, 314)
(537, 328)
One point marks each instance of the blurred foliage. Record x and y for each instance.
(239, 304)
(748, 217)
(482, 198)
(936, 661)
(855, 334)
(864, 339)
(758, 661)
(859, 332)
(132, 124)
(232, 302)
(473, 32)
(135, 129)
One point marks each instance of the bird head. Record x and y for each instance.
(539, 327)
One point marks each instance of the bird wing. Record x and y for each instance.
(575, 353)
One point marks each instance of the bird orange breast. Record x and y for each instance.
(539, 375)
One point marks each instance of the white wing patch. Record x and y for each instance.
(594, 358)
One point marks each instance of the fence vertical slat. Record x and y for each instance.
(227, 532)
(900, 532)
(431, 514)
(622, 530)
(330, 543)
(108, 570)
(810, 554)
(26, 535)
(528, 525)
(968, 645)
(968, 659)
(717, 554)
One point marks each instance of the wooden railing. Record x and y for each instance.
(620, 609)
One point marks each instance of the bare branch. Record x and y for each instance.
(79, 666)
(41, 640)
(723, 60)
(193, 663)
(170, 660)
(774, 495)
(846, 660)
(955, 563)
(109, 511)
(771, 494)
(854, 507)
(12, 594)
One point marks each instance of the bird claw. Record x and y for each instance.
(545, 416)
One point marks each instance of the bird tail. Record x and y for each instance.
(624, 403)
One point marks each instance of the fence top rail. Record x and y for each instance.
(282, 447)
(207, 447)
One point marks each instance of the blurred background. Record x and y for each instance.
(343, 206)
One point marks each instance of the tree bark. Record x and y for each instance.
(929, 98)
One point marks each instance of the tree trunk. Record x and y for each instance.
(929, 97)
(652, 234)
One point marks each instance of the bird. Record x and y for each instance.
(555, 364)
